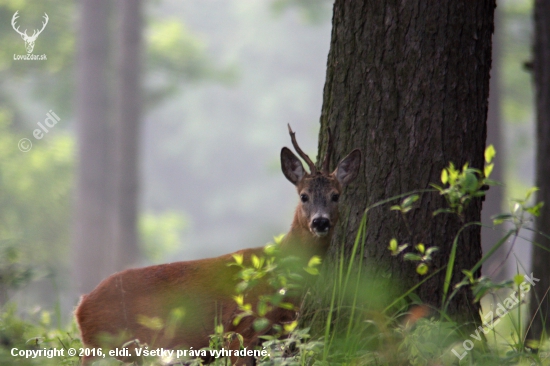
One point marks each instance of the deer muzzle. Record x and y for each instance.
(320, 226)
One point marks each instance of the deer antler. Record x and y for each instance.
(13, 19)
(302, 154)
(34, 34)
(326, 162)
(43, 25)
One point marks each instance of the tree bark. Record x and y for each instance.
(408, 82)
(127, 127)
(539, 304)
(92, 238)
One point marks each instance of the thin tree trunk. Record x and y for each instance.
(540, 306)
(408, 82)
(91, 234)
(127, 128)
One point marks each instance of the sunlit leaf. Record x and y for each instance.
(422, 269)
(519, 279)
(444, 176)
(314, 261)
(290, 327)
(238, 258)
(487, 170)
(490, 153)
(393, 245)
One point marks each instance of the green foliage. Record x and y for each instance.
(464, 185)
(428, 340)
(282, 274)
(35, 333)
(35, 199)
(175, 54)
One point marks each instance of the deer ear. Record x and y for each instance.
(348, 168)
(292, 166)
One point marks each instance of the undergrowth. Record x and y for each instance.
(350, 315)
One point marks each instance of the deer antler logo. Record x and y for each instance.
(29, 40)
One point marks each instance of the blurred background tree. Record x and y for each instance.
(540, 303)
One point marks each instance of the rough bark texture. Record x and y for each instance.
(541, 257)
(408, 82)
(128, 118)
(91, 237)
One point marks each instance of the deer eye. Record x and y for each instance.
(304, 197)
(335, 197)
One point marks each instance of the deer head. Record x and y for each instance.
(319, 191)
(29, 40)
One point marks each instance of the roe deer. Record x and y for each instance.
(204, 288)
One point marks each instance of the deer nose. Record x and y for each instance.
(320, 224)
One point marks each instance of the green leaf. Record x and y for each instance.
(278, 239)
(431, 250)
(290, 326)
(255, 261)
(469, 274)
(393, 245)
(421, 248)
(530, 192)
(262, 308)
(153, 323)
(491, 182)
(519, 279)
(395, 208)
(444, 176)
(287, 305)
(422, 269)
(241, 287)
(470, 182)
(314, 261)
(436, 187)
(401, 248)
(488, 169)
(239, 299)
(238, 258)
(535, 210)
(410, 200)
(270, 249)
(412, 257)
(500, 218)
(490, 153)
(312, 271)
(442, 210)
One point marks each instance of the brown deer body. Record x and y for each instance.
(204, 288)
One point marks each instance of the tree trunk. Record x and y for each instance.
(128, 118)
(495, 267)
(408, 82)
(541, 257)
(91, 235)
